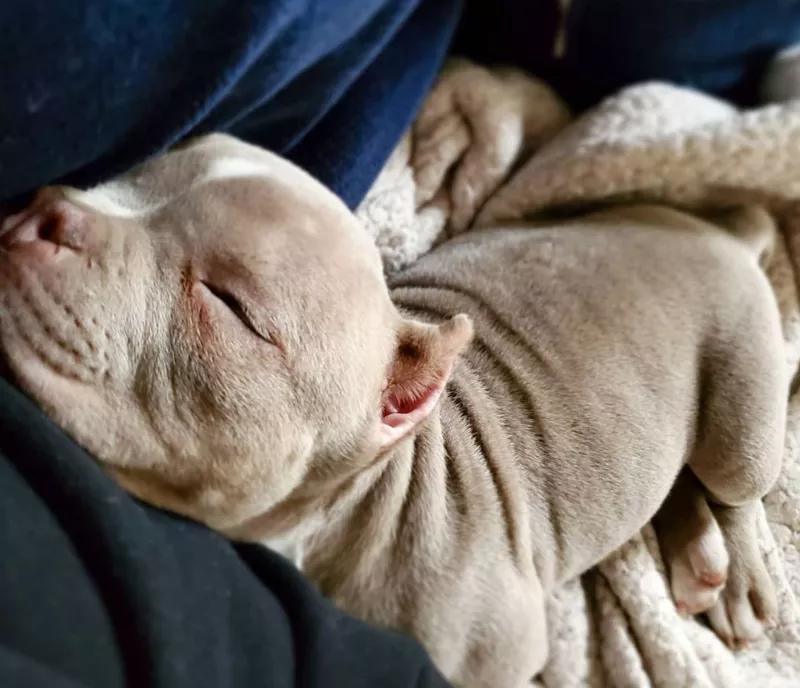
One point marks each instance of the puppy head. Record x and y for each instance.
(215, 328)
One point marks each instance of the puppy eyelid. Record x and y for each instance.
(235, 306)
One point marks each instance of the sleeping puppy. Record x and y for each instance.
(216, 329)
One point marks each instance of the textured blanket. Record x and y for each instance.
(495, 146)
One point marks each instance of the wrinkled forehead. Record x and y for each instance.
(225, 189)
(184, 172)
(225, 201)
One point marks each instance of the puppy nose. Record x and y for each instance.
(54, 221)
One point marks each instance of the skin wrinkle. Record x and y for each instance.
(512, 386)
(456, 491)
(141, 391)
(435, 291)
(485, 350)
(560, 432)
(461, 395)
(406, 505)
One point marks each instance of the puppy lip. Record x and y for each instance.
(45, 332)
(36, 256)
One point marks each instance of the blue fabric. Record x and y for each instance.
(92, 87)
(718, 46)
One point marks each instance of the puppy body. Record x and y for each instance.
(608, 352)
(423, 490)
(601, 346)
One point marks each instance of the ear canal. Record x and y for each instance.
(424, 356)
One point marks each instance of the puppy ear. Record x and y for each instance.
(423, 360)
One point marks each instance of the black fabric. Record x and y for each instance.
(99, 590)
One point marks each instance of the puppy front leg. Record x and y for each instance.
(512, 643)
(474, 126)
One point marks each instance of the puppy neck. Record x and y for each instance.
(357, 518)
(367, 530)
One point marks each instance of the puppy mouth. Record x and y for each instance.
(40, 329)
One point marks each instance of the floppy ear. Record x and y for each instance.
(423, 359)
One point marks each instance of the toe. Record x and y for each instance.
(763, 599)
(693, 593)
(708, 556)
(746, 627)
(718, 618)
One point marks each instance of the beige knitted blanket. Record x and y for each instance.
(506, 138)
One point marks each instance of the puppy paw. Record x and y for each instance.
(748, 603)
(692, 545)
(698, 571)
(743, 612)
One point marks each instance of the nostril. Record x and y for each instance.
(52, 229)
(58, 223)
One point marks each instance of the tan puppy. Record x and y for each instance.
(216, 329)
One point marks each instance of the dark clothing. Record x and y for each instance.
(718, 46)
(92, 87)
(98, 590)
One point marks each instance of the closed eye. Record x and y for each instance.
(235, 306)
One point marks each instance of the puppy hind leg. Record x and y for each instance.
(749, 602)
(753, 225)
(714, 562)
(692, 546)
(737, 458)
(742, 407)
